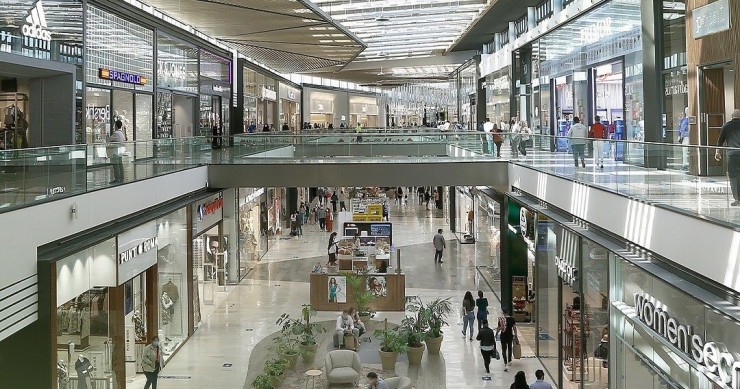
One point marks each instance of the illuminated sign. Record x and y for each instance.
(171, 69)
(720, 364)
(218, 88)
(36, 26)
(206, 209)
(269, 94)
(566, 271)
(115, 75)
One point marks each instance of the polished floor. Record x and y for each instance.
(279, 283)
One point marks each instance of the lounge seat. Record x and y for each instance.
(343, 367)
(398, 383)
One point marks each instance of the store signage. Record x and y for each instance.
(711, 18)
(291, 94)
(172, 69)
(523, 221)
(98, 113)
(56, 190)
(141, 248)
(209, 208)
(721, 365)
(677, 88)
(218, 88)
(115, 75)
(137, 251)
(208, 213)
(269, 94)
(36, 26)
(566, 271)
(597, 31)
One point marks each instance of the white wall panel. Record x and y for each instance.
(706, 248)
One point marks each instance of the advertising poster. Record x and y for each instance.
(377, 285)
(337, 289)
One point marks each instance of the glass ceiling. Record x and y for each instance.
(398, 29)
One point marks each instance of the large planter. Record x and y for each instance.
(415, 355)
(292, 359)
(434, 344)
(388, 359)
(277, 380)
(308, 352)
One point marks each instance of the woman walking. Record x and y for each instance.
(468, 314)
(508, 332)
(498, 139)
(332, 249)
(482, 304)
(520, 381)
(524, 137)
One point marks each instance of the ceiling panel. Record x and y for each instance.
(286, 35)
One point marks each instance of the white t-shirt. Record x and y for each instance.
(487, 126)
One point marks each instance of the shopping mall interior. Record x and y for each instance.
(281, 194)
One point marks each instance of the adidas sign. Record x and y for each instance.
(36, 26)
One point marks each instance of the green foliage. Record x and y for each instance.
(392, 340)
(435, 316)
(262, 381)
(285, 345)
(275, 367)
(412, 326)
(360, 295)
(302, 328)
(426, 320)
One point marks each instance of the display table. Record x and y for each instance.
(390, 290)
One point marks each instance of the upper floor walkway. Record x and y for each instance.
(31, 176)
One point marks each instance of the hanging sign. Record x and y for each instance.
(137, 251)
(566, 271)
(208, 212)
(36, 26)
(218, 88)
(269, 94)
(115, 75)
(711, 18)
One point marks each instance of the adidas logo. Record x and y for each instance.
(36, 26)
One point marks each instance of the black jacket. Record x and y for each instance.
(486, 337)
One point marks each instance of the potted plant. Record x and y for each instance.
(359, 293)
(275, 370)
(304, 330)
(414, 330)
(262, 381)
(392, 343)
(434, 315)
(286, 346)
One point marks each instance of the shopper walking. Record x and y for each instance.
(598, 133)
(334, 199)
(399, 195)
(577, 134)
(439, 245)
(498, 139)
(488, 129)
(115, 142)
(342, 201)
(507, 331)
(468, 312)
(331, 249)
(730, 134)
(482, 304)
(321, 214)
(520, 381)
(524, 137)
(427, 198)
(299, 223)
(321, 195)
(420, 194)
(152, 362)
(683, 138)
(540, 383)
(487, 339)
(515, 138)
(329, 220)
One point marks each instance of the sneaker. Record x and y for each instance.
(463, 334)
(583, 163)
(471, 339)
(506, 368)
(735, 203)
(441, 261)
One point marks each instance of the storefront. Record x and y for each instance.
(210, 256)
(257, 99)
(326, 108)
(40, 57)
(253, 227)
(518, 278)
(177, 83)
(290, 106)
(599, 73)
(466, 223)
(112, 297)
(363, 110)
(498, 91)
(215, 94)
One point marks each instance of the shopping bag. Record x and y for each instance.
(517, 351)
(496, 354)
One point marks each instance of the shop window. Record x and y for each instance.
(97, 116)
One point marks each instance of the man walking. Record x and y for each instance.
(540, 383)
(439, 245)
(115, 142)
(487, 345)
(599, 133)
(577, 134)
(730, 133)
(342, 201)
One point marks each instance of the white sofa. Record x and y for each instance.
(343, 367)
(398, 383)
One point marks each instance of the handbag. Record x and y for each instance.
(517, 349)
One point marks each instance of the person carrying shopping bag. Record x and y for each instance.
(468, 311)
(507, 331)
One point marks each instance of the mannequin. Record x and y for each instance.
(139, 326)
(167, 308)
(62, 375)
(84, 369)
(471, 216)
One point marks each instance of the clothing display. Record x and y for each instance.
(139, 327)
(171, 290)
(62, 375)
(168, 308)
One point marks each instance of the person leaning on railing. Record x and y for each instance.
(115, 142)
(730, 134)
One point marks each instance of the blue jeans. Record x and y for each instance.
(481, 316)
(578, 152)
(468, 322)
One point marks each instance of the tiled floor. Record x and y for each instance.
(279, 283)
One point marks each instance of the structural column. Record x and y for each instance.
(652, 70)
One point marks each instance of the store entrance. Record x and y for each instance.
(608, 105)
(175, 115)
(716, 103)
(210, 259)
(35, 106)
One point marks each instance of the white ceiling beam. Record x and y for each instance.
(449, 59)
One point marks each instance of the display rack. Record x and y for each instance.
(574, 335)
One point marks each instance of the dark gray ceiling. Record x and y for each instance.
(496, 19)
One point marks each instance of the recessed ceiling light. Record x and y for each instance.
(382, 18)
